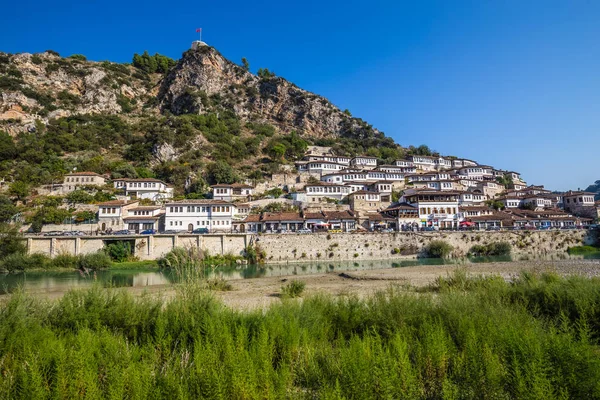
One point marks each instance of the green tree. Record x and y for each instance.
(495, 204)
(19, 189)
(276, 151)
(83, 216)
(245, 64)
(152, 64)
(79, 197)
(79, 57)
(8, 149)
(220, 172)
(7, 209)
(11, 240)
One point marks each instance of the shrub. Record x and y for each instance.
(94, 261)
(79, 57)
(438, 249)
(491, 249)
(36, 59)
(181, 258)
(118, 251)
(23, 262)
(65, 260)
(254, 254)
(219, 284)
(293, 289)
(11, 240)
(583, 249)
(396, 250)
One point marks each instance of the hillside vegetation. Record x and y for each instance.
(192, 122)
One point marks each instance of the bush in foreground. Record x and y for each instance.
(535, 338)
(293, 289)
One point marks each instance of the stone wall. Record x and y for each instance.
(291, 180)
(321, 246)
(144, 247)
(358, 246)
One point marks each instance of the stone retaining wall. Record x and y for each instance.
(359, 246)
(322, 246)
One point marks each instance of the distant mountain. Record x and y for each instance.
(595, 188)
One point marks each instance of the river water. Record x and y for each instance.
(59, 281)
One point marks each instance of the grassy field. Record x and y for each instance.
(467, 338)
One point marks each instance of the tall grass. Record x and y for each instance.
(19, 262)
(532, 338)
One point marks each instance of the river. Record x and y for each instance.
(60, 281)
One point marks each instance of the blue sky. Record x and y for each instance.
(513, 84)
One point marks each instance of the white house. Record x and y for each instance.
(187, 215)
(141, 218)
(330, 158)
(77, 180)
(366, 162)
(144, 188)
(232, 192)
(471, 198)
(319, 167)
(477, 173)
(436, 208)
(111, 214)
(404, 163)
(322, 191)
(442, 163)
(423, 163)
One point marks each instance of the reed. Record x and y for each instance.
(535, 337)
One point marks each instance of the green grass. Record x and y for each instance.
(534, 338)
(146, 264)
(583, 250)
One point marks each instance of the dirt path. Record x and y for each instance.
(256, 293)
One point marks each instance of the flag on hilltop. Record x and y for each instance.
(198, 29)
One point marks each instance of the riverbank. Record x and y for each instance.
(360, 279)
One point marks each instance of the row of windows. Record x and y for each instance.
(140, 184)
(142, 213)
(585, 199)
(326, 189)
(440, 210)
(108, 210)
(221, 191)
(92, 179)
(203, 209)
(202, 223)
(369, 197)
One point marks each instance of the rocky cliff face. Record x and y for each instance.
(44, 86)
(206, 73)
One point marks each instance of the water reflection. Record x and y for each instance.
(47, 282)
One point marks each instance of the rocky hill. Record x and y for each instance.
(46, 86)
(191, 122)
